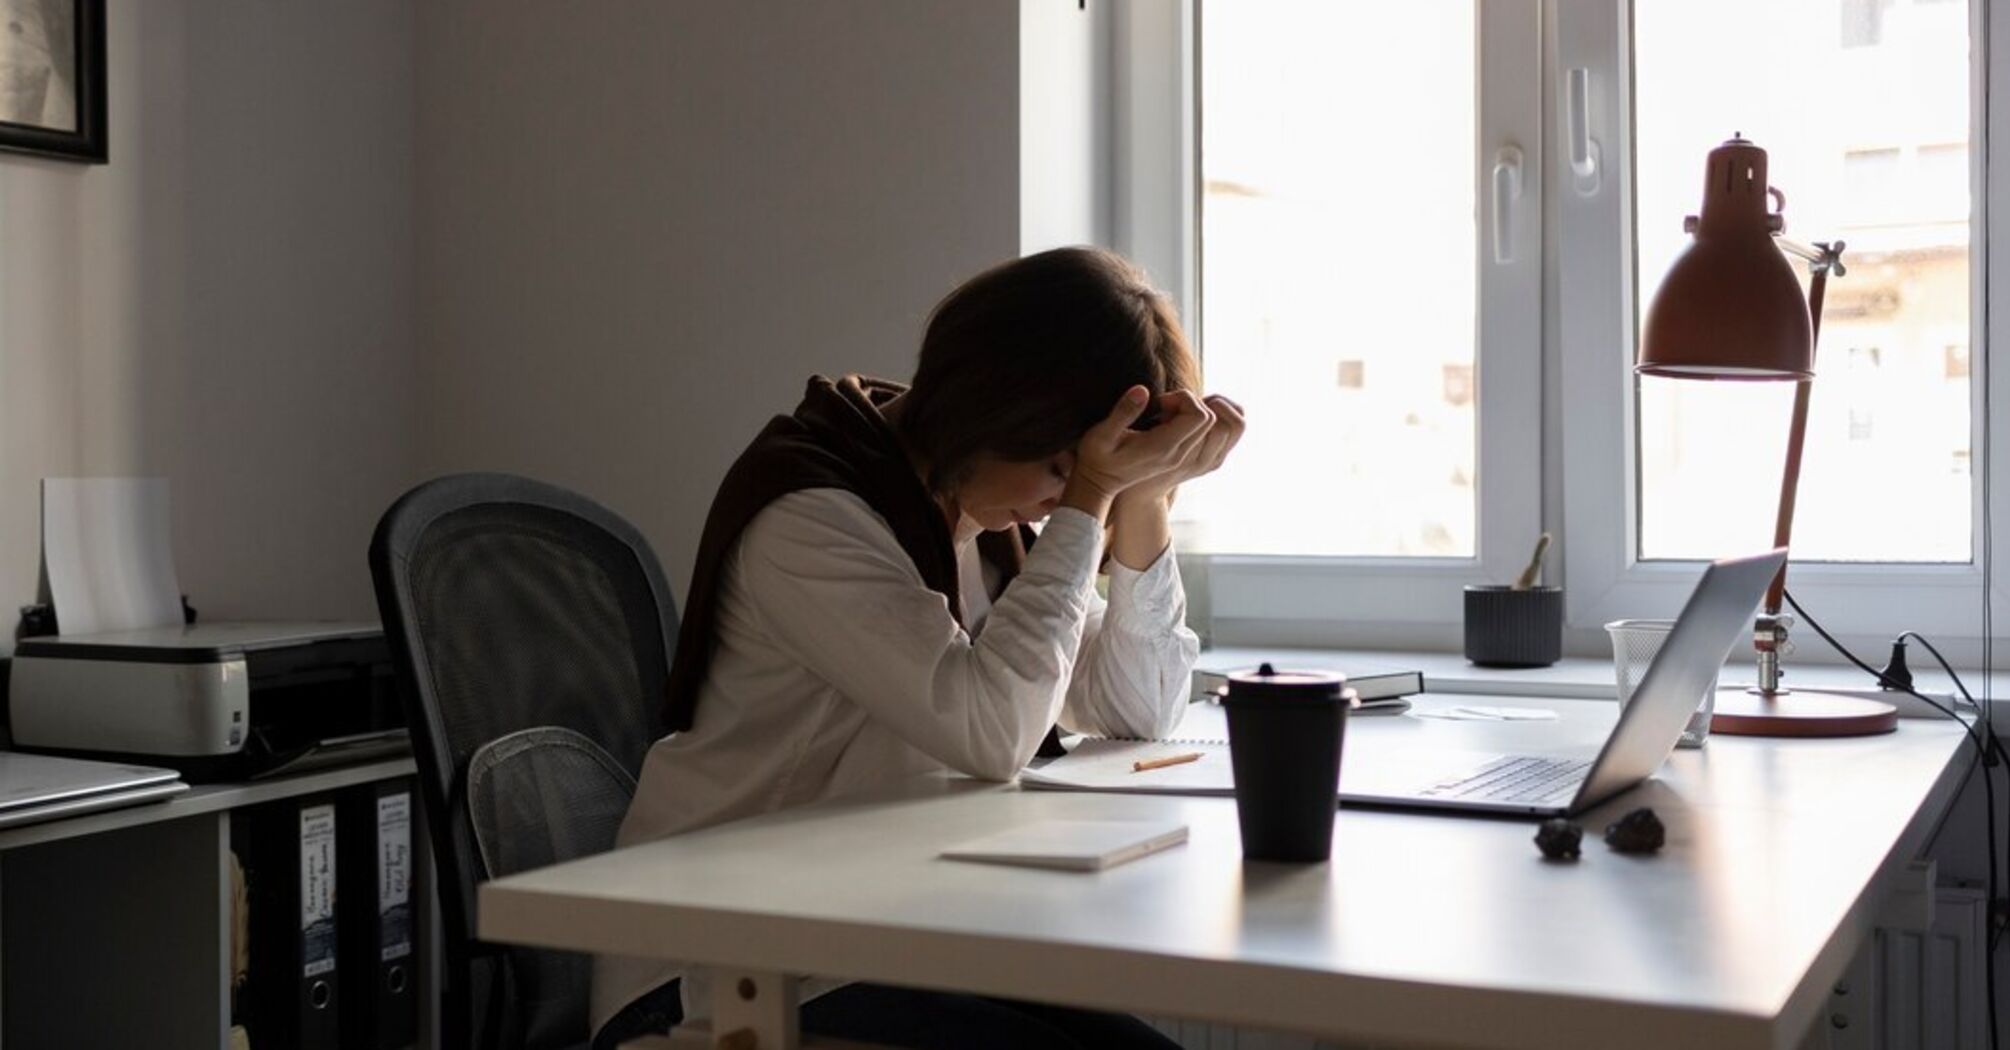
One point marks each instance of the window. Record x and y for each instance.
(1881, 157)
(1859, 180)
(1369, 276)
(1941, 178)
(1873, 186)
(1863, 22)
(1313, 250)
(1426, 394)
(1955, 362)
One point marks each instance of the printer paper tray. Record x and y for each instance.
(340, 751)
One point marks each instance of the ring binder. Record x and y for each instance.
(380, 1008)
(291, 864)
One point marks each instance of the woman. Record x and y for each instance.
(864, 608)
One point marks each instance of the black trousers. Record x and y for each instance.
(919, 1020)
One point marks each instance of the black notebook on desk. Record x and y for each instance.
(1379, 686)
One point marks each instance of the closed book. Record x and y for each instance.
(292, 991)
(381, 987)
(1380, 687)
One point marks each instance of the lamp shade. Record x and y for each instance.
(1730, 307)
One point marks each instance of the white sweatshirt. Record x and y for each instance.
(838, 670)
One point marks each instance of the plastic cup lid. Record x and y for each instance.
(1267, 682)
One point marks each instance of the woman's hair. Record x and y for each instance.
(1021, 360)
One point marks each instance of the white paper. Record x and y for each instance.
(1110, 765)
(1077, 845)
(105, 547)
(1475, 713)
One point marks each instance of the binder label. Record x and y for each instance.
(317, 890)
(394, 875)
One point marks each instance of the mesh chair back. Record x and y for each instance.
(512, 605)
(537, 797)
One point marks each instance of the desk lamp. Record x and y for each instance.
(1731, 309)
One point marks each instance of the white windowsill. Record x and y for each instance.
(1577, 677)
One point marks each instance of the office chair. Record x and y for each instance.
(531, 631)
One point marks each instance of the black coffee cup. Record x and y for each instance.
(1285, 730)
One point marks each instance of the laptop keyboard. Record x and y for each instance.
(1517, 778)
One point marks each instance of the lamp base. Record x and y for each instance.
(1807, 713)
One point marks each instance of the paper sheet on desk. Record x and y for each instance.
(105, 548)
(1478, 713)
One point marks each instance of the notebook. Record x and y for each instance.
(1098, 764)
(1072, 845)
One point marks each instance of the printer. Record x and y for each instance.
(217, 701)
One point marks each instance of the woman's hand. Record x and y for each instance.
(1205, 456)
(1140, 516)
(1112, 458)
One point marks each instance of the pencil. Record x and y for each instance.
(1161, 763)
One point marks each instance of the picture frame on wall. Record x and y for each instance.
(52, 78)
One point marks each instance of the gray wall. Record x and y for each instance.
(342, 247)
(229, 303)
(641, 231)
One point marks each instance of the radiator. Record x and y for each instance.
(1913, 990)
(1905, 991)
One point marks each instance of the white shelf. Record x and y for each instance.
(117, 924)
(205, 798)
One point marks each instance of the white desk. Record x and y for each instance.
(1424, 929)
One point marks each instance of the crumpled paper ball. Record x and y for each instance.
(1559, 839)
(1637, 832)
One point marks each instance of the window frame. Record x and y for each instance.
(1545, 466)
(1864, 603)
(1157, 200)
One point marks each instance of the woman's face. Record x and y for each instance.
(1001, 493)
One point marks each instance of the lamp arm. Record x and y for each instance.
(1770, 635)
(1821, 256)
(1783, 525)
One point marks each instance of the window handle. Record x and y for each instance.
(1584, 150)
(1507, 192)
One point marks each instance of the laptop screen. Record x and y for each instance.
(1718, 613)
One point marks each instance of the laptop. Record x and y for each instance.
(35, 788)
(1718, 613)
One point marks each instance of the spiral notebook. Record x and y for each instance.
(1111, 764)
(1100, 764)
(1108, 764)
